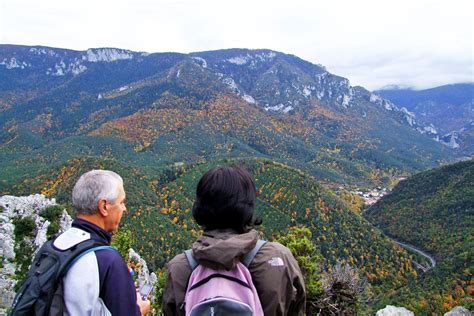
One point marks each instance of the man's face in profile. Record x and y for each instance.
(115, 211)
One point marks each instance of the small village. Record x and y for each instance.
(372, 196)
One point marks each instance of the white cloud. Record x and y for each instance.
(373, 43)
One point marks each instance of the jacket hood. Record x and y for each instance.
(223, 249)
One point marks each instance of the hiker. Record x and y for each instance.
(224, 208)
(99, 283)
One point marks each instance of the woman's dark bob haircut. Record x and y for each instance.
(225, 199)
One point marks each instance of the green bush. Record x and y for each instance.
(52, 214)
(298, 240)
(122, 240)
(24, 227)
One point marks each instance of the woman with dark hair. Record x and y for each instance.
(224, 208)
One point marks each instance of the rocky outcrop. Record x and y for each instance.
(12, 207)
(140, 267)
(459, 311)
(390, 310)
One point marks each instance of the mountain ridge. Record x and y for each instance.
(338, 92)
(319, 109)
(449, 109)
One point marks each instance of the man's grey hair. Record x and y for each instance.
(93, 186)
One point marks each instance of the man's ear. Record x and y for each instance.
(102, 207)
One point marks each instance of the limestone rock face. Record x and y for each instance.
(6, 240)
(141, 269)
(41, 234)
(390, 310)
(65, 221)
(12, 207)
(459, 311)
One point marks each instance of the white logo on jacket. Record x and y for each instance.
(276, 262)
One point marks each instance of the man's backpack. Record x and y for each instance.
(41, 292)
(222, 292)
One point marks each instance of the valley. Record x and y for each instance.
(437, 218)
(325, 156)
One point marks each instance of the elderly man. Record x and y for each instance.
(99, 283)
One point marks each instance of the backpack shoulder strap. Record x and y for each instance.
(85, 252)
(249, 257)
(246, 260)
(72, 255)
(192, 262)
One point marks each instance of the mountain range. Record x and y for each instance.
(448, 109)
(157, 109)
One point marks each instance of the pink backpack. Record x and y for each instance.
(222, 292)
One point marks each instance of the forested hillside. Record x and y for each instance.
(434, 210)
(159, 216)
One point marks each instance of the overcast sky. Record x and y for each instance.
(373, 43)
